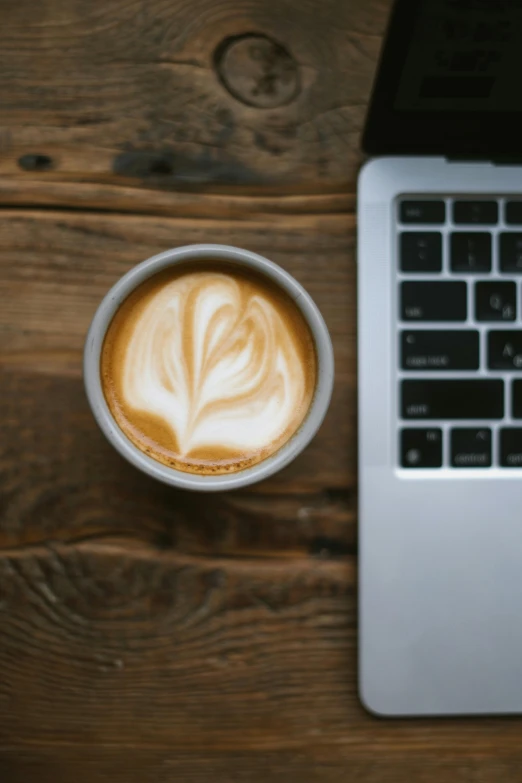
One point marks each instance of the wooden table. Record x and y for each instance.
(148, 634)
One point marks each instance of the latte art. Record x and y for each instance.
(241, 379)
(208, 371)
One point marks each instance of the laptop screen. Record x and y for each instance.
(450, 80)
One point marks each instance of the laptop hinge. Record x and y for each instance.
(496, 160)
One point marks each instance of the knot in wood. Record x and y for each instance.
(258, 71)
(35, 162)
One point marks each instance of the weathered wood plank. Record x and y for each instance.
(46, 193)
(163, 765)
(119, 90)
(171, 657)
(62, 764)
(103, 644)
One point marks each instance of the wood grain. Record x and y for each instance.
(129, 89)
(241, 668)
(109, 765)
(152, 648)
(148, 200)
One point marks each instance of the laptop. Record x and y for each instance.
(440, 364)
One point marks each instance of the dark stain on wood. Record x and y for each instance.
(35, 162)
(330, 547)
(171, 168)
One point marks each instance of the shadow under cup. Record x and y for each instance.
(248, 261)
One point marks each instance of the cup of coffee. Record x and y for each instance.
(208, 367)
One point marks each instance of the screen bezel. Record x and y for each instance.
(471, 134)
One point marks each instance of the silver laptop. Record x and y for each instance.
(440, 364)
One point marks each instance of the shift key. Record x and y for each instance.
(434, 301)
(453, 399)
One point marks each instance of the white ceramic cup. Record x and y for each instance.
(242, 258)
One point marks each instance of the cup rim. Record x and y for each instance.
(205, 252)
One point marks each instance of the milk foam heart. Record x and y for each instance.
(209, 369)
(219, 368)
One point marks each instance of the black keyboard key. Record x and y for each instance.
(421, 251)
(477, 212)
(434, 301)
(495, 301)
(514, 213)
(470, 252)
(440, 350)
(471, 448)
(510, 248)
(511, 448)
(505, 350)
(421, 448)
(517, 399)
(422, 212)
(453, 399)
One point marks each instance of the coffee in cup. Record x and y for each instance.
(208, 368)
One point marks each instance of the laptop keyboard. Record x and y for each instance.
(460, 333)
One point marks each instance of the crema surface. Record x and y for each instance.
(208, 369)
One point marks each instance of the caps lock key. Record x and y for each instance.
(440, 349)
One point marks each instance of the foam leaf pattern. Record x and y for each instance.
(216, 363)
